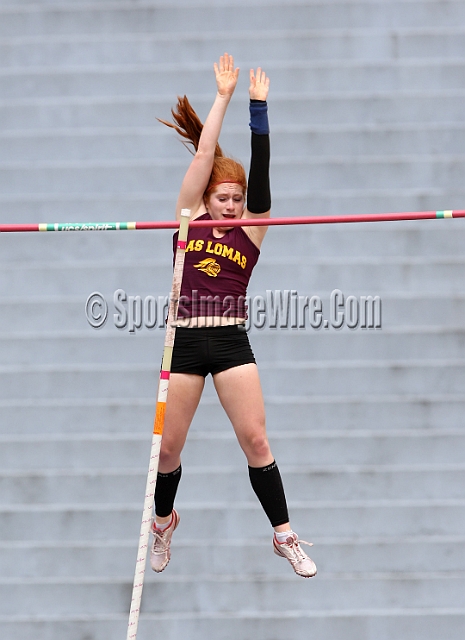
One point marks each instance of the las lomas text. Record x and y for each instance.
(218, 249)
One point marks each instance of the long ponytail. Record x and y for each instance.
(189, 126)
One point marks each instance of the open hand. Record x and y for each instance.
(259, 85)
(226, 75)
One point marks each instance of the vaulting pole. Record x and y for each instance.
(159, 423)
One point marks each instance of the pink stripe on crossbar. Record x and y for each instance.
(182, 244)
(164, 375)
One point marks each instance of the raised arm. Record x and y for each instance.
(198, 174)
(258, 193)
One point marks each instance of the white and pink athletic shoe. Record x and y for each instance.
(292, 551)
(161, 553)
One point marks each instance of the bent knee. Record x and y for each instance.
(258, 447)
(169, 455)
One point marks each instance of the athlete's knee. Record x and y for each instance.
(258, 446)
(169, 455)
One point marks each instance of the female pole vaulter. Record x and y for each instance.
(210, 337)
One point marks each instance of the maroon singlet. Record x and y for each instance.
(216, 272)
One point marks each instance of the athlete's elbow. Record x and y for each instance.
(203, 155)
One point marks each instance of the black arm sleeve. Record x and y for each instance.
(258, 192)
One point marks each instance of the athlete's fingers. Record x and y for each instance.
(227, 62)
(259, 76)
(263, 79)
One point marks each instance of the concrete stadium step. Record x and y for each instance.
(66, 247)
(87, 347)
(116, 558)
(427, 624)
(362, 276)
(44, 320)
(330, 108)
(97, 207)
(347, 518)
(338, 452)
(277, 378)
(226, 593)
(132, 80)
(96, 144)
(153, 205)
(387, 239)
(56, 278)
(231, 483)
(124, 17)
(326, 44)
(407, 275)
(384, 624)
(332, 413)
(142, 175)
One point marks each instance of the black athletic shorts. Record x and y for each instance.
(207, 350)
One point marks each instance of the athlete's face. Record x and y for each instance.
(225, 202)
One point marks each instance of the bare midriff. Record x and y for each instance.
(208, 321)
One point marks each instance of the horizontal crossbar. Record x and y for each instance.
(249, 222)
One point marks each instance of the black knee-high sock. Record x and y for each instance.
(165, 491)
(267, 484)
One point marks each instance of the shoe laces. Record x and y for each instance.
(298, 555)
(159, 542)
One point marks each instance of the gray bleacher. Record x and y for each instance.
(367, 115)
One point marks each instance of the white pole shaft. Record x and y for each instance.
(141, 561)
(162, 394)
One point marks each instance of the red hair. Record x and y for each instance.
(189, 126)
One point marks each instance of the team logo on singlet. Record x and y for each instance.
(209, 266)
